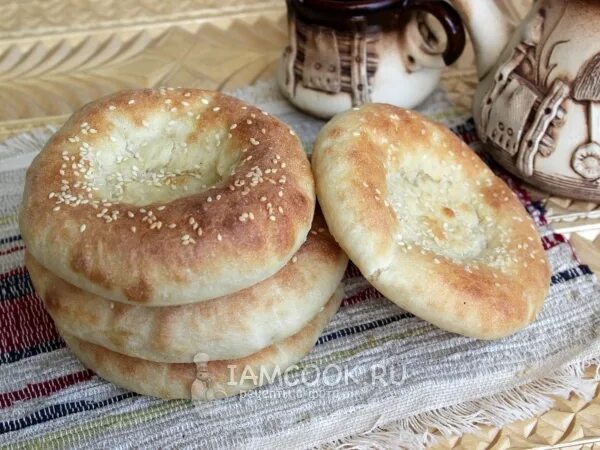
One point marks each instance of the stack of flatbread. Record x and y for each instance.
(173, 238)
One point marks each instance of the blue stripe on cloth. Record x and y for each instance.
(53, 412)
(10, 239)
(570, 274)
(361, 328)
(15, 286)
(17, 355)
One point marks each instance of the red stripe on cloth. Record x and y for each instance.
(352, 271)
(10, 273)
(368, 293)
(24, 324)
(12, 250)
(552, 240)
(44, 388)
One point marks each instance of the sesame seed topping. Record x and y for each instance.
(272, 218)
(187, 94)
(56, 208)
(219, 237)
(161, 208)
(131, 102)
(82, 227)
(134, 229)
(216, 108)
(292, 132)
(254, 141)
(204, 101)
(112, 107)
(294, 259)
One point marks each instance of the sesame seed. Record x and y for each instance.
(130, 214)
(82, 227)
(272, 218)
(249, 122)
(254, 141)
(172, 225)
(294, 259)
(280, 193)
(161, 208)
(219, 237)
(216, 108)
(233, 127)
(292, 132)
(112, 107)
(134, 229)
(131, 102)
(204, 101)
(187, 94)
(56, 208)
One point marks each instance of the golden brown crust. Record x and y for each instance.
(227, 327)
(428, 223)
(185, 380)
(193, 245)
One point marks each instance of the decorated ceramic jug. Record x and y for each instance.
(343, 53)
(537, 105)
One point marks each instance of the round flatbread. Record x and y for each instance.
(167, 196)
(428, 223)
(202, 380)
(227, 327)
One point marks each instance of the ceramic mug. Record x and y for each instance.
(343, 53)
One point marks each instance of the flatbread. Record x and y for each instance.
(228, 327)
(202, 380)
(428, 223)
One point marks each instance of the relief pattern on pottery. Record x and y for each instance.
(331, 61)
(539, 111)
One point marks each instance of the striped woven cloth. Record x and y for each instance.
(377, 376)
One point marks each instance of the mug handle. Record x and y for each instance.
(450, 21)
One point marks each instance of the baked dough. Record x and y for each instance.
(168, 196)
(428, 223)
(202, 380)
(228, 327)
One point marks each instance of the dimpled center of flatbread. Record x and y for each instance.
(157, 155)
(441, 211)
(159, 160)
